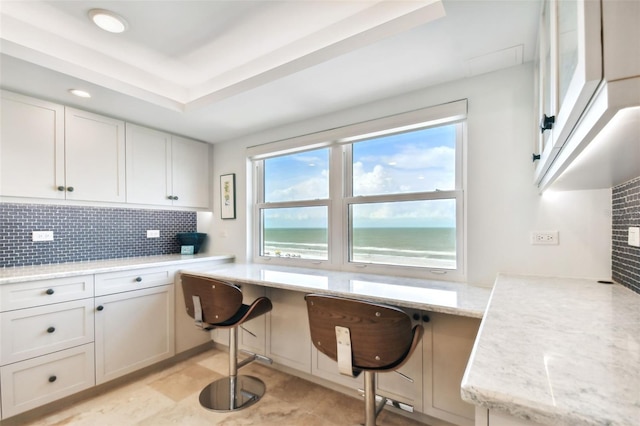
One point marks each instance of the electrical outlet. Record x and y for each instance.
(42, 236)
(544, 237)
(153, 234)
(634, 236)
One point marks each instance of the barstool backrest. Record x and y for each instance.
(382, 336)
(219, 300)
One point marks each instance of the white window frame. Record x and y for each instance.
(340, 198)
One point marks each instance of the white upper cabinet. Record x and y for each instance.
(588, 93)
(50, 151)
(164, 169)
(569, 71)
(148, 166)
(95, 157)
(191, 178)
(31, 147)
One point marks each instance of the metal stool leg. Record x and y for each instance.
(371, 409)
(234, 392)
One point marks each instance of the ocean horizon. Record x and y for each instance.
(410, 246)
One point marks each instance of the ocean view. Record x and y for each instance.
(434, 247)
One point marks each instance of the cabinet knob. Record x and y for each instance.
(70, 188)
(425, 318)
(99, 308)
(61, 188)
(51, 329)
(49, 291)
(535, 157)
(52, 379)
(169, 197)
(416, 317)
(547, 122)
(138, 279)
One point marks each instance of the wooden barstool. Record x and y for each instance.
(218, 304)
(362, 336)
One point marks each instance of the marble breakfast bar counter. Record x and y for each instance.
(430, 295)
(555, 351)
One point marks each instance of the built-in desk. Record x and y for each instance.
(428, 295)
(449, 312)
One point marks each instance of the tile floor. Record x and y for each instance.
(170, 397)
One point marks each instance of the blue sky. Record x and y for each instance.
(422, 160)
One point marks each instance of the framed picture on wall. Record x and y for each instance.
(228, 196)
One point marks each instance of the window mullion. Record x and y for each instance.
(387, 198)
(337, 178)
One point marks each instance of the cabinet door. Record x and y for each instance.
(31, 147)
(148, 166)
(572, 69)
(133, 330)
(190, 171)
(405, 385)
(95, 157)
(447, 344)
(289, 341)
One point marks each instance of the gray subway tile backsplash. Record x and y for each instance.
(87, 233)
(625, 259)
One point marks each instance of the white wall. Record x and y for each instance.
(503, 206)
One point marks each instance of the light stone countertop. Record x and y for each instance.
(41, 272)
(558, 352)
(436, 296)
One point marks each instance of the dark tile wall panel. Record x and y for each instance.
(625, 259)
(87, 233)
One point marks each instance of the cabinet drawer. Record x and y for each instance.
(44, 292)
(28, 333)
(135, 279)
(38, 381)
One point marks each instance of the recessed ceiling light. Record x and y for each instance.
(80, 93)
(108, 20)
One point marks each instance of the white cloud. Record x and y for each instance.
(310, 189)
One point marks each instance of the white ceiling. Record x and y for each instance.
(216, 70)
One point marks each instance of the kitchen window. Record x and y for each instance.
(382, 196)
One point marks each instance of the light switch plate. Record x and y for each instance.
(634, 236)
(154, 233)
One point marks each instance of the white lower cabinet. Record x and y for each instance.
(288, 339)
(38, 381)
(447, 342)
(134, 329)
(46, 341)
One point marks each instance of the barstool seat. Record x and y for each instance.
(362, 337)
(218, 304)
